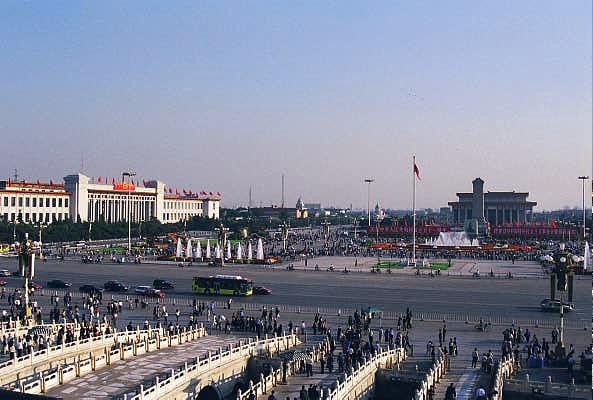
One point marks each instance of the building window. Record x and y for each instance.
(41, 202)
(53, 202)
(59, 202)
(27, 217)
(12, 217)
(65, 215)
(5, 201)
(34, 217)
(47, 202)
(20, 201)
(66, 202)
(53, 217)
(27, 202)
(47, 217)
(13, 201)
(34, 201)
(5, 217)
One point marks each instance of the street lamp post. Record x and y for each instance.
(584, 178)
(129, 174)
(369, 181)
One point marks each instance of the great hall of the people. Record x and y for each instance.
(82, 198)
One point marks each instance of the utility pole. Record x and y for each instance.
(584, 178)
(282, 205)
(369, 181)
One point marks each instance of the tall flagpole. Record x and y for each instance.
(414, 211)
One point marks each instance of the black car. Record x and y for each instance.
(115, 286)
(90, 289)
(261, 290)
(161, 284)
(58, 284)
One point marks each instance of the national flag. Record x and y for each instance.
(211, 194)
(113, 181)
(143, 183)
(99, 179)
(417, 171)
(176, 192)
(170, 190)
(220, 194)
(184, 192)
(553, 224)
(51, 182)
(38, 181)
(203, 193)
(190, 193)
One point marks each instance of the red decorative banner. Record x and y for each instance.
(123, 187)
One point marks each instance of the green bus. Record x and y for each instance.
(231, 285)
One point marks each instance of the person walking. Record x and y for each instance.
(475, 357)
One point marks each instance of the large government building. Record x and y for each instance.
(83, 199)
(498, 208)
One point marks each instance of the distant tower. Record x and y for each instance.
(478, 200)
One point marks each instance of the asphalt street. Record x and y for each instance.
(517, 298)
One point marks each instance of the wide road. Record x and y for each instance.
(513, 298)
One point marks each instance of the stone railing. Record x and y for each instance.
(18, 328)
(275, 377)
(71, 348)
(548, 388)
(503, 369)
(266, 346)
(362, 380)
(141, 342)
(433, 376)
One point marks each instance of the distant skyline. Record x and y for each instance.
(221, 96)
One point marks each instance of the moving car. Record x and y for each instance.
(34, 285)
(261, 290)
(90, 289)
(115, 286)
(162, 284)
(2, 282)
(154, 293)
(5, 272)
(58, 284)
(550, 305)
(142, 289)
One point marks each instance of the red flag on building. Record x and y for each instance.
(553, 224)
(170, 190)
(184, 192)
(143, 183)
(190, 193)
(51, 182)
(220, 194)
(99, 179)
(176, 192)
(211, 194)
(113, 181)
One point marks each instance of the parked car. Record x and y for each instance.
(5, 272)
(161, 284)
(34, 285)
(115, 286)
(261, 290)
(550, 305)
(142, 289)
(90, 289)
(58, 284)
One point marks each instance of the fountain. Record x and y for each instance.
(179, 251)
(249, 251)
(452, 239)
(239, 252)
(228, 250)
(208, 255)
(259, 255)
(217, 252)
(587, 261)
(188, 249)
(198, 252)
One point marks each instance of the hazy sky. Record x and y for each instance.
(221, 95)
